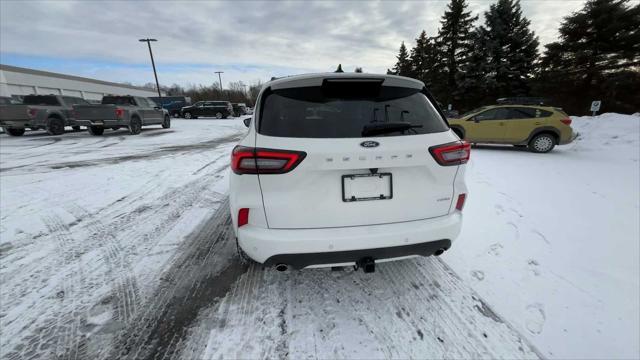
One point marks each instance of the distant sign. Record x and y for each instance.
(595, 105)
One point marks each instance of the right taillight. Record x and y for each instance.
(249, 160)
(32, 113)
(460, 203)
(566, 121)
(119, 113)
(455, 153)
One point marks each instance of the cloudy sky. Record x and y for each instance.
(247, 40)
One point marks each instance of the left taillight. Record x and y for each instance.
(32, 113)
(243, 217)
(249, 160)
(119, 113)
(455, 153)
(566, 121)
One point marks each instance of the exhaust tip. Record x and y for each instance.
(439, 252)
(282, 267)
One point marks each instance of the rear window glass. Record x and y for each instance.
(40, 100)
(119, 100)
(344, 111)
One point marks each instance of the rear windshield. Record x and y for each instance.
(119, 100)
(346, 112)
(40, 100)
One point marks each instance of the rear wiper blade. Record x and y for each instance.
(387, 127)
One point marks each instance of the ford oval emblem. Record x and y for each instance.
(369, 144)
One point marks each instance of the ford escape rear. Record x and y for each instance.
(341, 169)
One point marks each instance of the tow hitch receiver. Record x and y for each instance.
(367, 264)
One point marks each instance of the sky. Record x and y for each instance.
(249, 41)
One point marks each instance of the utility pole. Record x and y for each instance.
(148, 41)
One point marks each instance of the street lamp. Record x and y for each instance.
(148, 41)
(220, 78)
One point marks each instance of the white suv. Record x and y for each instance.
(346, 169)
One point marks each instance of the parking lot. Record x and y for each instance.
(121, 245)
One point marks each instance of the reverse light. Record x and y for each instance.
(455, 153)
(460, 203)
(249, 160)
(119, 113)
(566, 121)
(243, 217)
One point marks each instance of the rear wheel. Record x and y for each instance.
(135, 126)
(187, 115)
(95, 130)
(167, 122)
(55, 126)
(15, 131)
(542, 143)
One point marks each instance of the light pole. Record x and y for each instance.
(220, 78)
(148, 41)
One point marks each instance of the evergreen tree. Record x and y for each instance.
(598, 54)
(454, 42)
(403, 65)
(509, 48)
(425, 62)
(358, 69)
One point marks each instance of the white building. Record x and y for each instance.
(16, 81)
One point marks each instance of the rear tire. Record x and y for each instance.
(542, 143)
(55, 126)
(95, 130)
(219, 115)
(135, 126)
(167, 122)
(187, 115)
(15, 131)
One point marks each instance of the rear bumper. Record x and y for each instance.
(301, 248)
(568, 139)
(17, 124)
(104, 123)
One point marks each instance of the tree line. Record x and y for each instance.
(468, 64)
(237, 92)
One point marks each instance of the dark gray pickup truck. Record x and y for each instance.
(49, 112)
(117, 112)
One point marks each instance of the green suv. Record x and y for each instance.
(540, 128)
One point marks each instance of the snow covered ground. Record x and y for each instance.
(120, 246)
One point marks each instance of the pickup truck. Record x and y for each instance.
(115, 112)
(50, 112)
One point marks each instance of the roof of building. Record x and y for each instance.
(68, 77)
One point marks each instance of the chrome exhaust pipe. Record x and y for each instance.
(439, 252)
(282, 267)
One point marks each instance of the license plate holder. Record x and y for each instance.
(367, 187)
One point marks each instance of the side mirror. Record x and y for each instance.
(247, 121)
(475, 119)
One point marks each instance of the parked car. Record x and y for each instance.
(343, 169)
(173, 104)
(50, 112)
(218, 109)
(239, 109)
(540, 128)
(115, 112)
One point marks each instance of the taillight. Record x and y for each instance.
(460, 202)
(243, 217)
(566, 121)
(32, 113)
(119, 113)
(455, 153)
(248, 160)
